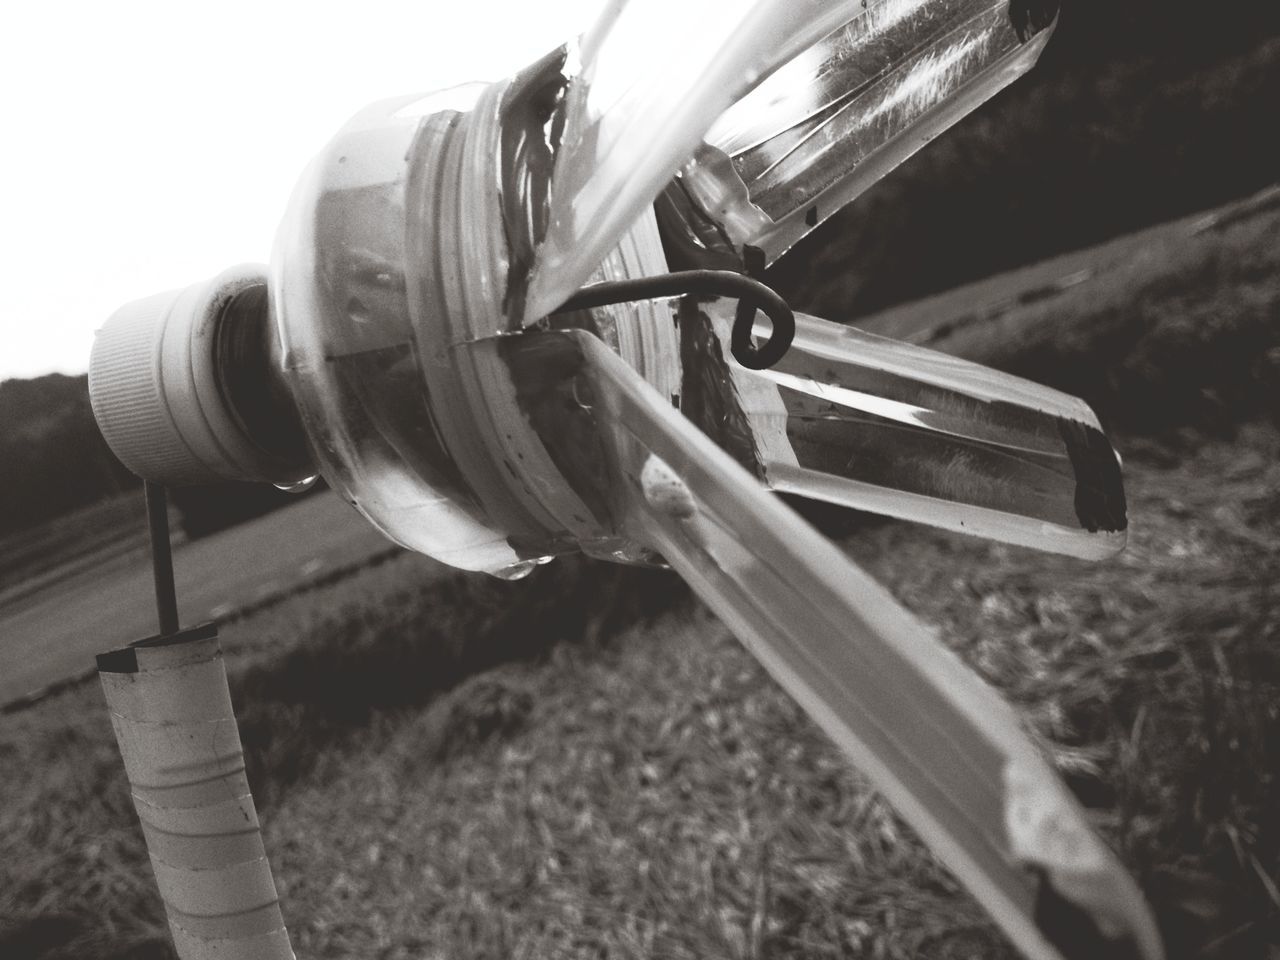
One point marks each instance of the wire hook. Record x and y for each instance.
(752, 295)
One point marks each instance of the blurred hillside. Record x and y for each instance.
(52, 457)
(1139, 111)
(53, 461)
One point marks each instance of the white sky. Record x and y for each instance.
(149, 145)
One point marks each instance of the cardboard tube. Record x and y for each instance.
(171, 712)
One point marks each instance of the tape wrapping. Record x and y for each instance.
(171, 711)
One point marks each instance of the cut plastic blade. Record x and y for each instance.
(843, 113)
(942, 746)
(879, 425)
(645, 83)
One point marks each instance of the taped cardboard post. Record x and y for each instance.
(171, 712)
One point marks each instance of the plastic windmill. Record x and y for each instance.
(515, 320)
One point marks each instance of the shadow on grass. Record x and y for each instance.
(365, 660)
(334, 680)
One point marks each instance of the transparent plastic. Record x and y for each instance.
(340, 299)
(648, 79)
(436, 219)
(942, 746)
(774, 113)
(414, 287)
(883, 426)
(392, 251)
(843, 113)
(577, 148)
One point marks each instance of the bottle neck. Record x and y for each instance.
(247, 361)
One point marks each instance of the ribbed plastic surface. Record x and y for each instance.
(127, 392)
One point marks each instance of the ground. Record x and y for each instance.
(586, 764)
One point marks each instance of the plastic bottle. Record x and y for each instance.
(438, 220)
(408, 331)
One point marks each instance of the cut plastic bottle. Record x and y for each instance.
(883, 426)
(773, 113)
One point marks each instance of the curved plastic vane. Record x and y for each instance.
(846, 111)
(853, 88)
(644, 83)
(879, 425)
(943, 747)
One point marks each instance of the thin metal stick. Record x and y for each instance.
(161, 556)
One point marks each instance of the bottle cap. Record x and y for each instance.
(154, 386)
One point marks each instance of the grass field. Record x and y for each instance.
(1177, 326)
(586, 764)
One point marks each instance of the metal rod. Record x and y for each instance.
(161, 556)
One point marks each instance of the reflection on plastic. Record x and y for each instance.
(878, 425)
(834, 120)
(850, 89)
(645, 83)
(414, 285)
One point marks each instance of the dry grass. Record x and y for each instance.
(645, 790)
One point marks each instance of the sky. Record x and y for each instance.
(150, 145)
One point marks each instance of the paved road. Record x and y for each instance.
(53, 636)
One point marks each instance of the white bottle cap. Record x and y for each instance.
(155, 390)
